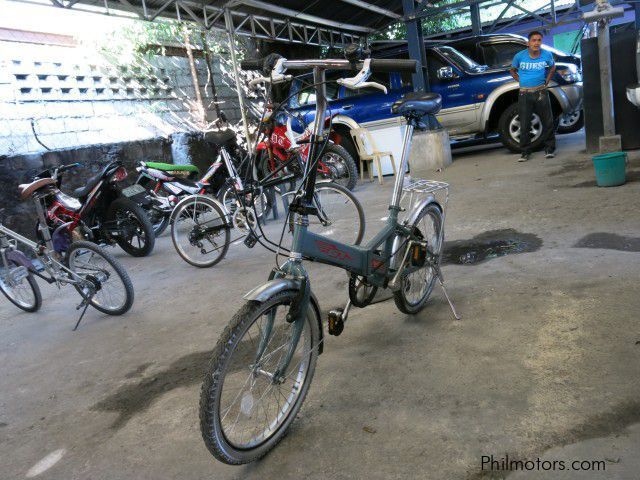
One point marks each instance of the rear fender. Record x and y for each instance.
(265, 291)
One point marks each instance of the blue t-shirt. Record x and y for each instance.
(532, 71)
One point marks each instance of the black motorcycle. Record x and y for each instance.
(102, 211)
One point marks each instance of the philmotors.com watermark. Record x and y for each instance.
(506, 464)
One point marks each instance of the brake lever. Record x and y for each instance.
(360, 80)
(277, 75)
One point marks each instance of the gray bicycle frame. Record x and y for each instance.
(369, 261)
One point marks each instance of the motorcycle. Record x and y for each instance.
(281, 143)
(166, 184)
(100, 211)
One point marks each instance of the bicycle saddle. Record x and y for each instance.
(417, 104)
(27, 189)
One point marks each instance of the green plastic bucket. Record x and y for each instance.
(610, 169)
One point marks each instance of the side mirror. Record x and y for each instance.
(445, 73)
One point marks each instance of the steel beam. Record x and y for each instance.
(228, 19)
(287, 12)
(373, 8)
(415, 41)
(476, 23)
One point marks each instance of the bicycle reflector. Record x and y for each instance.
(418, 254)
(120, 174)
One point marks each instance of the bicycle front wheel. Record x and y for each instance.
(199, 231)
(340, 214)
(111, 285)
(20, 287)
(417, 284)
(245, 406)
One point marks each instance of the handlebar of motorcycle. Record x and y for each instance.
(376, 65)
(64, 168)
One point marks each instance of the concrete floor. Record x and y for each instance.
(544, 364)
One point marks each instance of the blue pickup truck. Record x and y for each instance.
(477, 101)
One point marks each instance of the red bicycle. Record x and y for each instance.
(281, 144)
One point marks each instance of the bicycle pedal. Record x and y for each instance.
(336, 324)
(251, 240)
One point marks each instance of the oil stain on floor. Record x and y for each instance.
(609, 241)
(488, 245)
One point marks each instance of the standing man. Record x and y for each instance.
(533, 68)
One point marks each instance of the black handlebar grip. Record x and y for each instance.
(254, 64)
(393, 65)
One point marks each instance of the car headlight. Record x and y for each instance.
(570, 73)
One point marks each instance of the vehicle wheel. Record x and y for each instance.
(571, 122)
(341, 216)
(338, 166)
(114, 290)
(243, 412)
(509, 129)
(417, 284)
(135, 232)
(159, 220)
(24, 293)
(199, 231)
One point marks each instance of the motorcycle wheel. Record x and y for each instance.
(135, 234)
(341, 166)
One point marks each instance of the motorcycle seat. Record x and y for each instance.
(82, 192)
(170, 167)
(27, 189)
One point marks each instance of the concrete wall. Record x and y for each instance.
(73, 99)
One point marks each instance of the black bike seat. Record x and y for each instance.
(417, 104)
(86, 189)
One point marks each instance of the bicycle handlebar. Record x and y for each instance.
(378, 65)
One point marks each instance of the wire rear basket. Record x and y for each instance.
(417, 189)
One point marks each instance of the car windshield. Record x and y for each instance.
(461, 60)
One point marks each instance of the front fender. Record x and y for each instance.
(263, 292)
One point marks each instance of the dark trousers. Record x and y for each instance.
(538, 102)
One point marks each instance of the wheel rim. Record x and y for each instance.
(93, 267)
(135, 235)
(21, 292)
(244, 219)
(189, 234)
(569, 119)
(252, 407)
(338, 171)
(340, 219)
(417, 284)
(536, 128)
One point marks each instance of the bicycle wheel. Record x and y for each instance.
(199, 231)
(112, 285)
(340, 214)
(20, 287)
(244, 219)
(417, 283)
(244, 413)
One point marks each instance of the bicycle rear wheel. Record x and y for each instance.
(199, 231)
(340, 214)
(417, 284)
(245, 406)
(113, 288)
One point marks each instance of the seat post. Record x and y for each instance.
(406, 149)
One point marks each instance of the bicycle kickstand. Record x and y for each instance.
(85, 302)
(444, 290)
